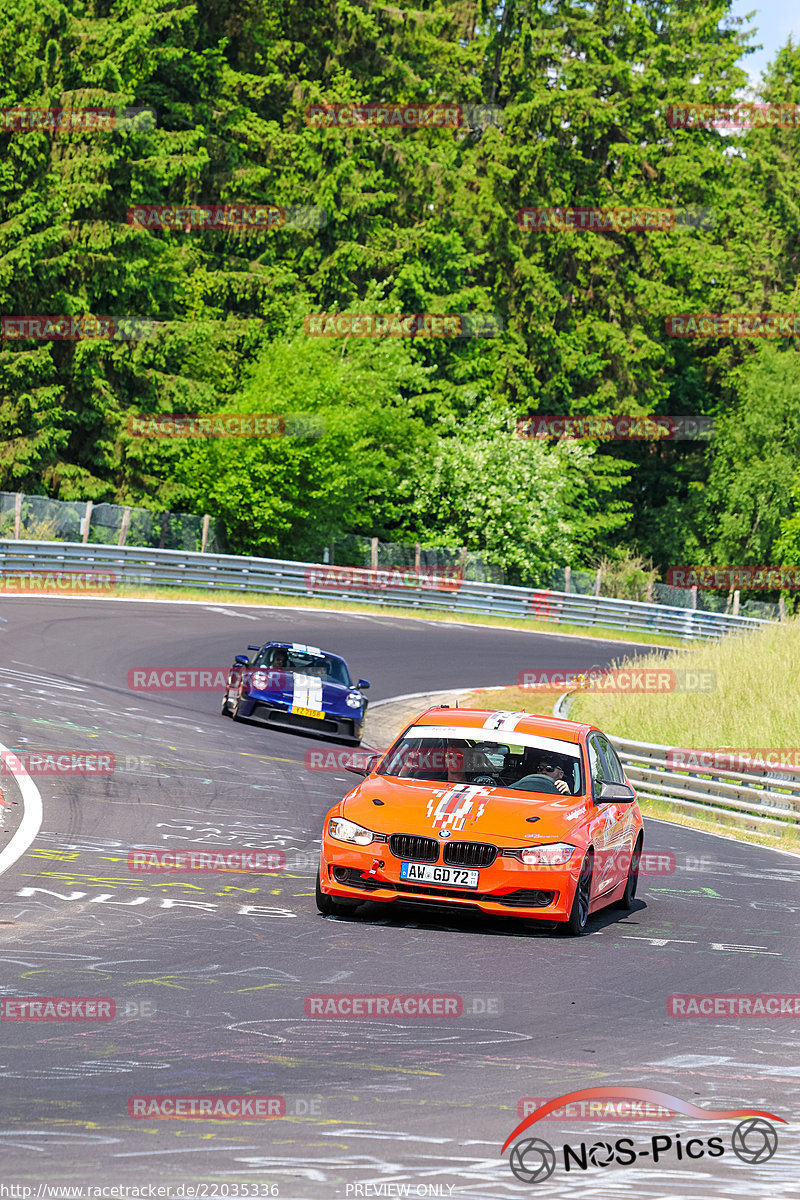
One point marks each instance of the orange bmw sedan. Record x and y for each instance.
(504, 812)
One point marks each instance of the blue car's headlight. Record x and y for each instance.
(354, 700)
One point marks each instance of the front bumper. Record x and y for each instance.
(272, 712)
(507, 887)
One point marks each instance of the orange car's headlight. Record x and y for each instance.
(348, 831)
(556, 854)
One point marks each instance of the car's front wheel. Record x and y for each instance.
(579, 913)
(328, 906)
(223, 708)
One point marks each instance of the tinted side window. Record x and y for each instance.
(614, 771)
(596, 766)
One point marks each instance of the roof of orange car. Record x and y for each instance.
(476, 718)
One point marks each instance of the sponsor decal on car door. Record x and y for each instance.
(609, 824)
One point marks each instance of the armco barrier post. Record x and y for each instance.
(87, 521)
(123, 533)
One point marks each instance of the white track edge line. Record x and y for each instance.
(31, 817)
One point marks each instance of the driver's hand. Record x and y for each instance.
(562, 785)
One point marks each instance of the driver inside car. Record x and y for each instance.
(553, 771)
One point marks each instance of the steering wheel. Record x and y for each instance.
(534, 783)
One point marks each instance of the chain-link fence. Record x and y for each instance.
(38, 518)
(350, 550)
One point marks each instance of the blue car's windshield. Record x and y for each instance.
(299, 662)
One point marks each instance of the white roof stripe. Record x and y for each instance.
(473, 734)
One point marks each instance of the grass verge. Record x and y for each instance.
(514, 698)
(751, 705)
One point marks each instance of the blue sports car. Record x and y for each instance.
(296, 687)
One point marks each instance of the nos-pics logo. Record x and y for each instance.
(532, 1159)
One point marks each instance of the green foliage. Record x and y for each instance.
(753, 461)
(417, 440)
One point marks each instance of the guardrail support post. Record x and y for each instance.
(781, 608)
(123, 533)
(694, 597)
(206, 523)
(417, 552)
(598, 581)
(373, 556)
(736, 603)
(87, 521)
(567, 578)
(17, 514)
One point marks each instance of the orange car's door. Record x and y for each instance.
(607, 822)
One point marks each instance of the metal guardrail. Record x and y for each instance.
(766, 803)
(136, 565)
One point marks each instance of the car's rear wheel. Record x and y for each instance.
(579, 913)
(330, 907)
(629, 895)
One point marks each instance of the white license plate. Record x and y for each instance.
(446, 876)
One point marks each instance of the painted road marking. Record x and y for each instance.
(31, 821)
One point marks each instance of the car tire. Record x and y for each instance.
(224, 708)
(328, 906)
(237, 716)
(579, 913)
(626, 900)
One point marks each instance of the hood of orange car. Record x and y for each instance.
(495, 814)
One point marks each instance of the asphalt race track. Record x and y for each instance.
(209, 975)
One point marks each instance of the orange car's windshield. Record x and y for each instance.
(538, 766)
